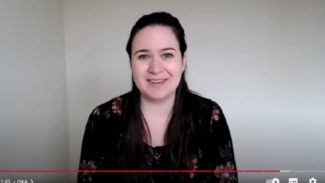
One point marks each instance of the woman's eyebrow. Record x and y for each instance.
(163, 49)
(168, 48)
(142, 50)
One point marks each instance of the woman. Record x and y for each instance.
(160, 124)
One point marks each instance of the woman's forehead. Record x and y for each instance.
(155, 38)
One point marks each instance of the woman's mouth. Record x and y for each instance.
(157, 82)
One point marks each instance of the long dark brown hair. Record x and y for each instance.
(183, 127)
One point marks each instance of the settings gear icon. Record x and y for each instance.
(312, 180)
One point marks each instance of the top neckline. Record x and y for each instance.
(155, 147)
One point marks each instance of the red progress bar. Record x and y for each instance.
(91, 170)
(140, 171)
(271, 171)
(228, 170)
(55, 171)
(195, 171)
(253, 171)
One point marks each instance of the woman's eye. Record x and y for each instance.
(143, 57)
(167, 55)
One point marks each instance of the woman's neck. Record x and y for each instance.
(159, 108)
(157, 114)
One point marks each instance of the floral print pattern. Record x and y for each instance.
(194, 166)
(215, 151)
(215, 114)
(227, 176)
(87, 176)
(96, 111)
(116, 108)
(226, 152)
(107, 114)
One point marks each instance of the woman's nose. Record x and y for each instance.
(155, 66)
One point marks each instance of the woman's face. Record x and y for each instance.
(157, 63)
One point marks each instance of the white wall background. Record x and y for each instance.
(33, 109)
(262, 61)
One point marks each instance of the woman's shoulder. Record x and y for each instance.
(205, 104)
(112, 106)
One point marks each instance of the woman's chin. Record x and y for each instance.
(157, 96)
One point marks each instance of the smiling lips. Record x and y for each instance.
(157, 80)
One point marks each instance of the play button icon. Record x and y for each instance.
(274, 180)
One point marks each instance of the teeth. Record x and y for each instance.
(157, 81)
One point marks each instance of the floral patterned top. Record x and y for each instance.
(216, 151)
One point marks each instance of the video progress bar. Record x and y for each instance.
(303, 171)
(220, 171)
(126, 171)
